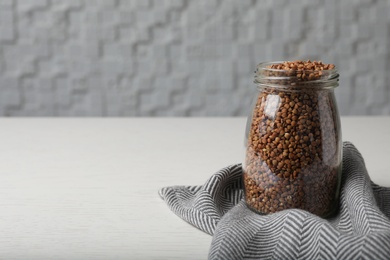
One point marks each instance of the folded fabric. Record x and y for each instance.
(360, 230)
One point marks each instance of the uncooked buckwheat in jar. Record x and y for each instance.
(293, 155)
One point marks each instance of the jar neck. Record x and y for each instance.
(295, 79)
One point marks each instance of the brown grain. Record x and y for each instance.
(292, 158)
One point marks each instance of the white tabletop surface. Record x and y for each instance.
(87, 188)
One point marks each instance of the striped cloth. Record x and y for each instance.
(361, 230)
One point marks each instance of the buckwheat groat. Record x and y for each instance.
(293, 149)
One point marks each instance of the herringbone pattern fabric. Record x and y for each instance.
(360, 230)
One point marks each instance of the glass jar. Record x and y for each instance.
(293, 141)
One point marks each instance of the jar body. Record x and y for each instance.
(293, 151)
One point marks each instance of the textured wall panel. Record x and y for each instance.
(182, 58)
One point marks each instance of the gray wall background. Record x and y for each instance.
(182, 58)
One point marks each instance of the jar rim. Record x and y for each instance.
(266, 76)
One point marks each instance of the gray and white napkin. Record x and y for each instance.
(360, 230)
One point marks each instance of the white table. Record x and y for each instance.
(87, 188)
